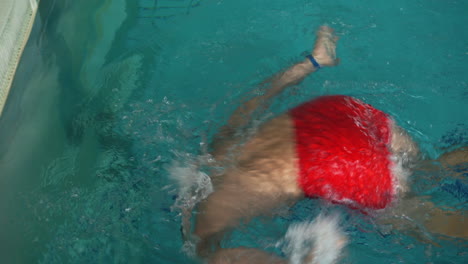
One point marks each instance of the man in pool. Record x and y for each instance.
(336, 148)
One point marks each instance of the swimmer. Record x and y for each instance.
(336, 148)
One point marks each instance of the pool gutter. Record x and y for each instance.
(16, 21)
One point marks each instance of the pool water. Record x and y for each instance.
(110, 93)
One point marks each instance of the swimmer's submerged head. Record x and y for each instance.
(348, 152)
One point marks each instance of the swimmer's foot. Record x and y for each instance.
(324, 50)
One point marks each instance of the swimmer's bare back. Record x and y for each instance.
(261, 174)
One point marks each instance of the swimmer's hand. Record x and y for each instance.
(324, 50)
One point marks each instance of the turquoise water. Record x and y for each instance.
(108, 94)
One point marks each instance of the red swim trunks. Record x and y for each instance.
(342, 146)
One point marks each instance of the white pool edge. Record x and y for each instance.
(13, 51)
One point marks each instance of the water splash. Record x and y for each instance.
(193, 184)
(318, 242)
(193, 187)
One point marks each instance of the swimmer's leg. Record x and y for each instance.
(324, 54)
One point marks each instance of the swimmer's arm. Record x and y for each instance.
(324, 52)
(292, 76)
(245, 256)
(454, 162)
(413, 211)
(416, 212)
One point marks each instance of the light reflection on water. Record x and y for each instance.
(103, 103)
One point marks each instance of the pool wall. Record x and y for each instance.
(16, 20)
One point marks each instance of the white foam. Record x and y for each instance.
(322, 238)
(400, 175)
(193, 184)
(404, 153)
